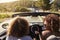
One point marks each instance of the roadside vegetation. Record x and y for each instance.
(4, 16)
(23, 6)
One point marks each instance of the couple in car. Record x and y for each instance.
(19, 29)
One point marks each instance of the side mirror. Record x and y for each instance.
(5, 25)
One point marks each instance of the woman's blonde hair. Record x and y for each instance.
(18, 27)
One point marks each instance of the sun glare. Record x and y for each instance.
(4, 1)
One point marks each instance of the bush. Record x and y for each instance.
(4, 16)
(22, 10)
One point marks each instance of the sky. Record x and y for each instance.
(4, 1)
(51, 1)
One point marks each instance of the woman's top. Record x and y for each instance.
(21, 38)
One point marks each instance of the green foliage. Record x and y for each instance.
(19, 6)
(46, 5)
(43, 4)
(21, 9)
(54, 6)
(17, 9)
(39, 3)
(2, 16)
(2, 9)
(24, 10)
(26, 3)
(14, 6)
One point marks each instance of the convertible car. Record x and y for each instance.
(34, 19)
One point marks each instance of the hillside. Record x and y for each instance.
(10, 4)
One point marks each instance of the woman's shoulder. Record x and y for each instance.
(45, 32)
(15, 38)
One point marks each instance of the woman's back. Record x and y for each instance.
(18, 29)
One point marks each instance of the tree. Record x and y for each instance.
(17, 9)
(54, 6)
(25, 3)
(2, 9)
(39, 3)
(21, 9)
(24, 10)
(44, 4)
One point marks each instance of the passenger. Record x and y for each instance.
(18, 30)
(51, 23)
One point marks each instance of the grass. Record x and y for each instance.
(4, 16)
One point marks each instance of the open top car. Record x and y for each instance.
(32, 17)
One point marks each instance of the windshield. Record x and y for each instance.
(33, 19)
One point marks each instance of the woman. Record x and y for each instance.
(18, 30)
(51, 23)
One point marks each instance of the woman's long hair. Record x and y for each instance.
(52, 22)
(18, 27)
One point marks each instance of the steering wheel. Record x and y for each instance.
(33, 28)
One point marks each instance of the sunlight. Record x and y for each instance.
(4, 1)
